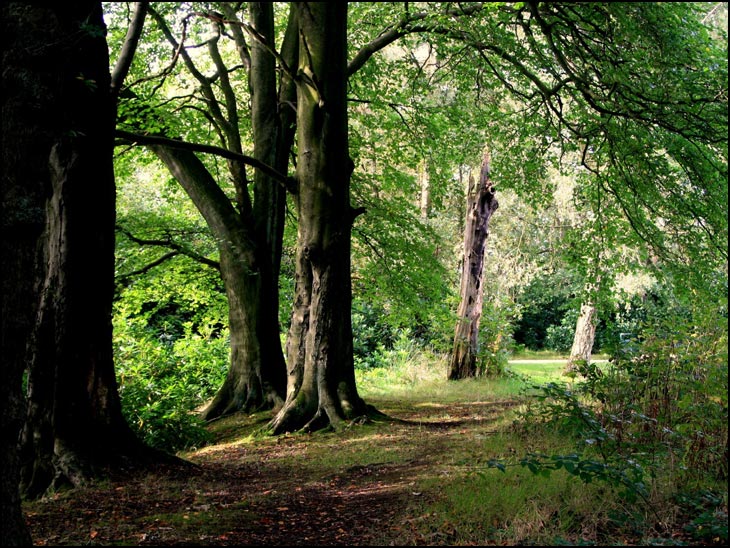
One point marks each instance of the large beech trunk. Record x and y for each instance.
(256, 375)
(74, 425)
(28, 99)
(250, 236)
(321, 387)
(481, 204)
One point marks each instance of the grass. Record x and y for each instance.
(424, 479)
(472, 503)
(543, 367)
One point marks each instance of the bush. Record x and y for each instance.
(559, 337)
(653, 423)
(663, 408)
(495, 338)
(161, 384)
(372, 336)
(171, 352)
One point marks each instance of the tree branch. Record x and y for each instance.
(289, 183)
(178, 249)
(243, 51)
(122, 278)
(256, 35)
(128, 49)
(205, 86)
(404, 27)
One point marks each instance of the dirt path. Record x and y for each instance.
(223, 504)
(372, 485)
(266, 492)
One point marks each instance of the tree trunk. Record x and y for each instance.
(250, 239)
(585, 334)
(74, 424)
(481, 204)
(28, 99)
(321, 387)
(256, 375)
(273, 121)
(424, 183)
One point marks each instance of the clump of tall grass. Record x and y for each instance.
(411, 371)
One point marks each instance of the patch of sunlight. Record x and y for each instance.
(227, 446)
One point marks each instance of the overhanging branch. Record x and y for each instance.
(289, 183)
(122, 278)
(168, 242)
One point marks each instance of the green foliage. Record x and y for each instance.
(559, 337)
(162, 384)
(372, 337)
(495, 338)
(171, 352)
(543, 303)
(136, 116)
(678, 379)
(396, 265)
(708, 512)
(403, 367)
(659, 412)
(170, 317)
(600, 454)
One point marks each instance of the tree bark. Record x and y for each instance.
(256, 375)
(273, 121)
(321, 387)
(585, 334)
(61, 167)
(481, 204)
(28, 98)
(424, 183)
(249, 236)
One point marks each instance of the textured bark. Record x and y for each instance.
(481, 204)
(274, 124)
(249, 236)
(321, 387)
(256, 375)
(61, 168)
(585, 334)
(22, 219)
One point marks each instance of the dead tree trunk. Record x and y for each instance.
(481, 204)
(585, 334)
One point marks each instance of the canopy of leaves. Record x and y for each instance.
(627, 100)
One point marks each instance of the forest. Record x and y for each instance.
(368, 273)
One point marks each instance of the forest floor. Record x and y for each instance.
(372, 485)
(320, 489)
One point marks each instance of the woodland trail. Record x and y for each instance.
(289, 491)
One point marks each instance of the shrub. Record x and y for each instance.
(171, 353)
(161, 384)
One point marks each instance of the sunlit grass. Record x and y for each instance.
(471, 503)
(436, 445)
(422, 375)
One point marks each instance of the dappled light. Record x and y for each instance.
(367, 273)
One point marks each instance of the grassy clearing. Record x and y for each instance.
(422, 477)
(471, 503)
